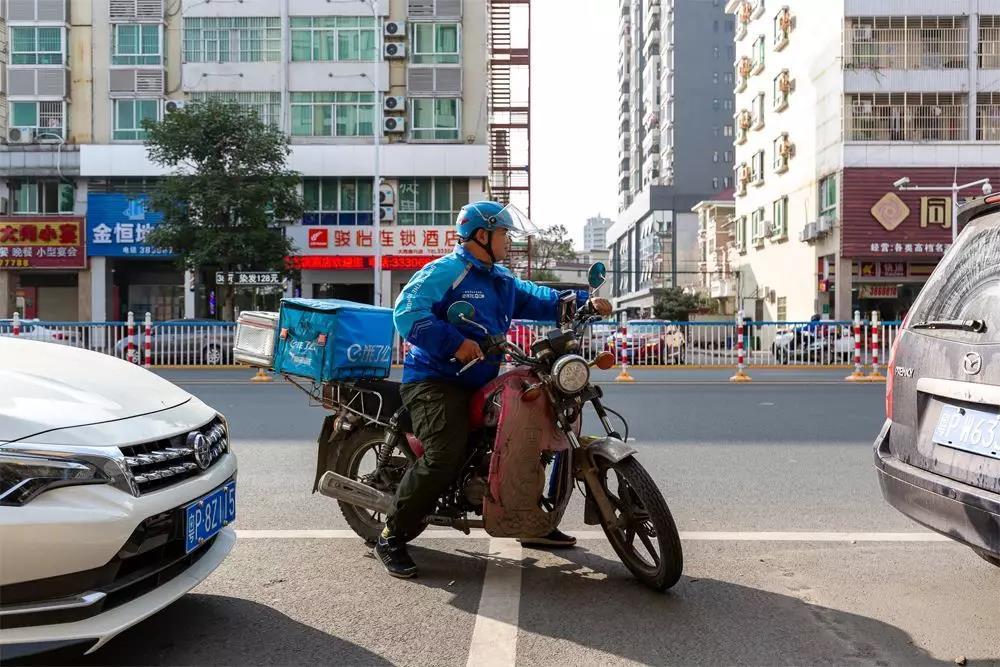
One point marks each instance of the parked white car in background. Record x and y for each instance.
(117, 491)
(31, 330)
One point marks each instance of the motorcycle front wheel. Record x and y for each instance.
(643, 533)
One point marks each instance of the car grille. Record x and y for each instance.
(162, 463)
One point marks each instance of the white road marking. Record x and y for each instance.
(494, 637)
(690, 536)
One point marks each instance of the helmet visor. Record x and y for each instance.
(511, 218)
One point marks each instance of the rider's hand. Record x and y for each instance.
(468, 351)
(601, 306)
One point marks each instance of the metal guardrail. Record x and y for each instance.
(643, 343)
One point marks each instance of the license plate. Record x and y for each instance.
(973, 431)
(206, 516)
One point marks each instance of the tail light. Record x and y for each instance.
(59, 336)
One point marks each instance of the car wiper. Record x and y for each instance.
(975, 326)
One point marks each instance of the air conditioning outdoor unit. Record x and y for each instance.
(394, 50)
(394, 29)
(387, 213)
(386, 196)
(394, 124)
(170, 106)
(20, 135)
(394, 103)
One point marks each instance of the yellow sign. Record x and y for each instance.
(890, 211)
(935, 211)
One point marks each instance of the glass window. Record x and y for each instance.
(337, 201)
(45, 119)
(129, 115)
(232, 39)
(267, 106)
(436, 43)
(42, 196)
(334, 38)
(36, 46)
(135, 44)
(828, 195)
(779, 220)
(329, 114)
(436, 119)
(431, 201)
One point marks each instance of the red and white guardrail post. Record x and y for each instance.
(876, 376)
(147, 343)
(741, 375)
(130, 354)
(623, 376)
(858, 375)
(15, 325)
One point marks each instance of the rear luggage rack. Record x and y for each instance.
(343, 396)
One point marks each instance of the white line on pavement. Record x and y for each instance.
(494, 637)
(691, 536)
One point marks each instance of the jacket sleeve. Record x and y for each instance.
(534, 302)
(414, 316)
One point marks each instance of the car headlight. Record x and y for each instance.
(24, 476)
(571, 374)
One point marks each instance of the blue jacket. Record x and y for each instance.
(498, 296)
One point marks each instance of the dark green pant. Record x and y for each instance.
(440, 414)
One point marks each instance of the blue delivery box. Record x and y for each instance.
(329, 340)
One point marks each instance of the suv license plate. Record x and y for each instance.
(970, 430)
(205, 517)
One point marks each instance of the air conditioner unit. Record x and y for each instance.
(810, 231)
(394, 124)
(20, 135)
(394, 50)
(386, 196)
(170, 106)
(824, 225)
(394, 29)
(387, 213)
(394, 103)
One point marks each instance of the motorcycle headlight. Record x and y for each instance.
(571, 374)
(24, 476)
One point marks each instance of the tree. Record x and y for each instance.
(675, 304)
(230, 191)
(544, 276)
(550, 246)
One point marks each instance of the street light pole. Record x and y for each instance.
(376, 122)
(903, 185)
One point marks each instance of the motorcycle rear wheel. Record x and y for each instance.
(355, 459)
(641, 512)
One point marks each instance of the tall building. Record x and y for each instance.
(78, 78)
(717, 277)
(595, 233)
(675, 147)
(837, 101)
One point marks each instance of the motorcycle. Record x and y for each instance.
(524, 436)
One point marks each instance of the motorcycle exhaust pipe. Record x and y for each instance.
(354, 493)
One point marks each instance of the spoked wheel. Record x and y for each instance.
(643, 535)
(356, 460)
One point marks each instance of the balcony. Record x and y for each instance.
(652, 119)
(908, 43)
(989, 42)
(743, 16)
(782, 28)
(906, 117)
(756, 9)
(651, 143)
(652, 46)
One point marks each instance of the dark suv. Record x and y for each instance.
(938, 454)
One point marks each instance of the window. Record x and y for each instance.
(727, 130)
(782, 152)
(716, 105)
(45, 119)
(715, 26)
(759, 226)
(715, 130)
(727, 157)
(741, 234)
(232, 40)
(715, 157)
(715, 52)
(337, 201)
(757, 168)
(715, 184)
(828, 196)
(715, 77)
(758, 54)
(779, 219)
(129, 115)
(729, 78)
(782, 308)
(436, 43)
(780, 89)
(758, 111)
(266, 105)
(334, 38)
(331, 114)
(727, 105)
(41, 196)
(431, 201)
(436, 119)
(135, 44)
(36, 46)
(726, 182)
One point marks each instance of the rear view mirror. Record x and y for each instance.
(597, 275)
(461, 312)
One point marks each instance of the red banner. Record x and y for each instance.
(358, 262)
(42, 243)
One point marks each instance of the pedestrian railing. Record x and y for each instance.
(643, 343)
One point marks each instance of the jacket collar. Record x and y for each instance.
(468, 258)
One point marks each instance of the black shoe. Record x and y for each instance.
(391, 552)
(556, 538)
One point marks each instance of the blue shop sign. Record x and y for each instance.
(118, 224)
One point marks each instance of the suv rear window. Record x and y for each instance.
(966, 284)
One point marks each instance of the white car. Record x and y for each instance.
(117, 491)
(32, 330)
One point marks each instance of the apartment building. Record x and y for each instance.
(595, 233)
(81, 76)
(716, 243)
(837, 101)
(675, 143)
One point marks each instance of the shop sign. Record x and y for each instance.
(118, 226)
(359, 262)
(892, 269)
(878, 291)
(42, 243)
(244, 278)
(433, 241)
(869, 269)
(930, 247)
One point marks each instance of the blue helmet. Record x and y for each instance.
(488, 215)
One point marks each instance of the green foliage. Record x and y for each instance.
(676, 304)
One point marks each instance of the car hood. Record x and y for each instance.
(45, 387)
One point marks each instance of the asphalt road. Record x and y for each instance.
(765, 481)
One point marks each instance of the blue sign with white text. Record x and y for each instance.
(118, 224)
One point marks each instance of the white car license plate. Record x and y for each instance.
(205, 517)
(970, 430)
